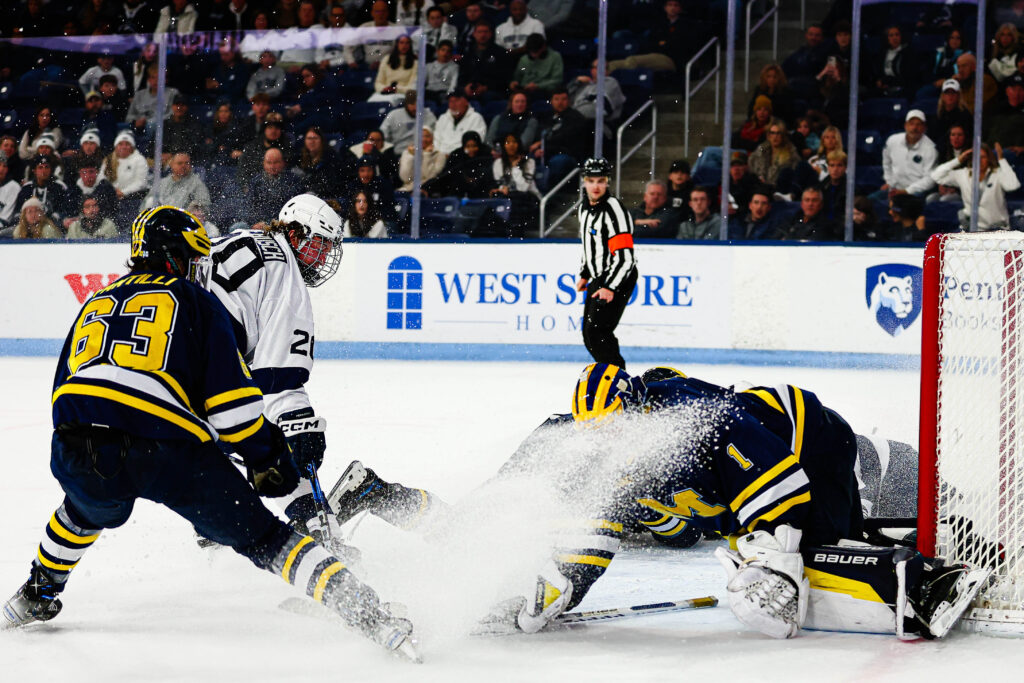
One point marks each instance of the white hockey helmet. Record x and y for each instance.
(315, 234)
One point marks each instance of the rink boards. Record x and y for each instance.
(772, 303)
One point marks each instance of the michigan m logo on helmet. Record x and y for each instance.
(599, 395)
(315, 234)
(171, 239)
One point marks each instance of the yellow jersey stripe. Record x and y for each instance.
(133, 402)
(290, 560)
(244, 434)
(840, 584)
(759, 483)
(68, 535)
(53, 565)
(232, 395)
(767, 397)
(325, 576)
(798, 421)
(173, 384)
(779, 509)
(584, 559)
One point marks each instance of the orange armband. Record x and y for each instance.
(621, 241)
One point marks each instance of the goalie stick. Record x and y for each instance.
(571, 619)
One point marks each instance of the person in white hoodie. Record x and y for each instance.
(128, 172)
(997, 178)
(459, 119)
(512, 34)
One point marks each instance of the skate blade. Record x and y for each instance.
(407, 650)
(975, 580)
(349, 481)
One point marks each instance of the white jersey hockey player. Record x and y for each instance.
(261, 276)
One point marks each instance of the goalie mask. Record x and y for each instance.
(169, 239)
(314, 230)
(602, 392)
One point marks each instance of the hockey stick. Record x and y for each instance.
(571, 619)
(636, 610)
(320, 502)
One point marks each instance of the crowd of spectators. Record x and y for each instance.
(255, 109)
(914, 178)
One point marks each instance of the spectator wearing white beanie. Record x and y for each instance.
(125, 168)
(88, 151)
(35, 224)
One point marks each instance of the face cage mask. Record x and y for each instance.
(318, 260)
(199, 270)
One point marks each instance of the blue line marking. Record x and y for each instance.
(556, 353)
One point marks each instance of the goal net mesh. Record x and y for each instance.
(979, 445)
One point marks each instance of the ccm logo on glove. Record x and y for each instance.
(316, 424)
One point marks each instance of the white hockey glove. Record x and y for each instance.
(550, 597)
(766, 583)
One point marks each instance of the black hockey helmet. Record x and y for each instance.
(597, 167)
(171, 239)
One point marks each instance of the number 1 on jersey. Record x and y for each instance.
(735, 454)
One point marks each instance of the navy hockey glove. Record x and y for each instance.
(277, 475)
(305, 434)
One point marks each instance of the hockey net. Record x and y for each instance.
(971, 495)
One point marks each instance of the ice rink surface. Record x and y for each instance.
(146, 604)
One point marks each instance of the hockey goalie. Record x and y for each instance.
(770, 468)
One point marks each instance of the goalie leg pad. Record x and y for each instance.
(767, 588)
(862, 589)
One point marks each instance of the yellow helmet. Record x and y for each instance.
(599, 395)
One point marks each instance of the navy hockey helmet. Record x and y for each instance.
(597, 167)
(602, 391)
(314, 231)
(171, 239)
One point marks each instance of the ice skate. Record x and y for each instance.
(946, 595)
(358, 489)
(34, 601)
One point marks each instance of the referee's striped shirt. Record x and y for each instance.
(606, 229)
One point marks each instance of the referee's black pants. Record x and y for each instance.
(600, 319)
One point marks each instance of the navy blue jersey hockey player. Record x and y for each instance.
(148, 381)
(777, 467)
(771, 465)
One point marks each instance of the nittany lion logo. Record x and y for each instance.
(893, 293)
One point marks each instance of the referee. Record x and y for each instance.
(608, 273)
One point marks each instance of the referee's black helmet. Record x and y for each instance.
(596, 167)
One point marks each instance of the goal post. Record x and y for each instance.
(971, 485)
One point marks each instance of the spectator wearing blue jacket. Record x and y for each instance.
(758, 223)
